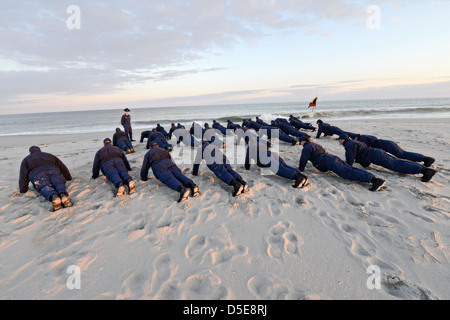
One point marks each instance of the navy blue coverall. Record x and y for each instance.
(388, 146)
(158, 137)
(328, 130)
(46, 172)
(113, 163)
(126, 123)
(269, 130)
(216, 125)
(258, 152)
(295, 122)
(356, 151)
(288, 129)
(121, 140)
(216, 161)
(324, 161)
(161, 129)
(164, 169)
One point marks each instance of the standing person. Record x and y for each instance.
(121, 140)
(48, 175)
(126, 123)
(218, 163)
(166, 170)
(115, 166)
(324, 161)
(361, 153)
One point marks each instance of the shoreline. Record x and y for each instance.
(46, 139)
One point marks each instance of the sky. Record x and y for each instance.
(87, 55)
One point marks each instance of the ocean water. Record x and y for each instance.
(75, 122)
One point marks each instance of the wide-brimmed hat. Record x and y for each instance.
(126, 109)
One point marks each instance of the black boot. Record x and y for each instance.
(184, 194)
(238, 188)
(245, 184)
(131, 187)
(66, 200)
(300, 180)
(56, 202)
(377, 183)
(428, 161)
(194, 189)
(120, 190)
(427, 174)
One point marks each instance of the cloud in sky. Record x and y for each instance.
(122, 44)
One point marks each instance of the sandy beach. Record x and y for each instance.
(274, 242)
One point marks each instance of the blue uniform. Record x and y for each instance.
(324, 161)
(196, 130)
(295, 122)
(184, 136)
(113, 164)
(173, 127)
(46, 172)
(144, 135)
(328, 130)
(269, 130)
(211, 135)
(126, 123)
(160, 139)
(161, 129)
(232, 126)
(216, 161)
(388, 146)
(356, 151)
(247, 135)
(216, 125)
(290, 130)
(261, 122)
(264, 158)
(121, 140)
(164, 169)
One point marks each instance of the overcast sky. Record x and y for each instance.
(109, 54)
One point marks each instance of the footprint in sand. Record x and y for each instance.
(200, 248)
(281, 241)
(204, 286)
(271, 287)
(161, 271)
(398, 286)
(196, 247)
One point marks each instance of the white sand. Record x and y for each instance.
(274, 242)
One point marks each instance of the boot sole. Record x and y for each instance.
(132, 187)
(57, 204)
(195, 192)
(66, 202)
(241, 188)
(379, 187)
(184, 196)
(120, 191)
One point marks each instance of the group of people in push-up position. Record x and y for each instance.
(48, 174)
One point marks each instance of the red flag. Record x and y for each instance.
(313, 103)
